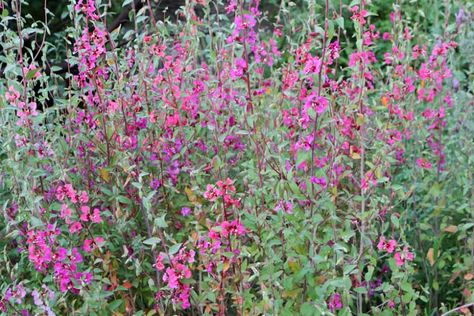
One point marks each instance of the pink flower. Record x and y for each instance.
(388, 246)
(95, 218)
(394, 16)
(83, 197)
(244, 22)
(30, 68)
(76, 256)
(211, 193)
(335, 302)
(75, 227)
(87, 7)
(214, 234)
(306, 143)
(401, 257)
(20, 141)
(189, 257)
(159, 263)
(226, 186)
(231, 6)
(423, 163)
(318, 103)
(171, 278)
(85, 213)
(60, 193)
(90, 244)
(313, 65)
(184, 298)
(381, 244)
(285, 206)
(12, 95)
(185, 211)
(65, 212)
(232, 228)
(240, 67)
(25, 111)
(61, 254)
(70, 192)
(87, 277)
(387, 36)
(87, 246)
(357, 15)
(319, 181)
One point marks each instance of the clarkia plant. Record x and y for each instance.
(234, 160)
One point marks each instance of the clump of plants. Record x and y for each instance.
(245, 158)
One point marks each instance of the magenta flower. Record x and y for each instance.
(285, 206)
(240, 67)
(319, 181)
(318, 103)
(12, 95)
(95, 218)
(388, 246)
(65, 212)
(185, 211)
(424, 163)
(211, 193)
(159, 263)
(87, 7)
(401, 257)
(83, 197)
(335, 302)
(75, 227)
(232, 228)
(358, 16)
(70, 192)
(231, 7)
(84, 213)
(87, 245)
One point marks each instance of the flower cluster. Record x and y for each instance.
(44, 253)
(24, 111)
(224, 189)
(390, 246)
(66, 193)
(176, 273)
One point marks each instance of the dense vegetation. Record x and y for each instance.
(238, 157)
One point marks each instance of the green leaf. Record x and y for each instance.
(124, 200)
(174, 249)
(370, 271)
(361, 290)
(55, 68)
(152, 241)
(395, 221)
(30, 74)
(307, 309)
(340, 22)
(349, 268)
(36, 222)
(115, 304)
(161, 222)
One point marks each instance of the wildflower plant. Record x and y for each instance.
(235, 161)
